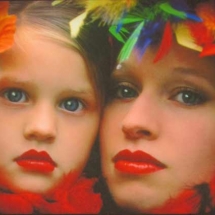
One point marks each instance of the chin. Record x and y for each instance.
(34, 185)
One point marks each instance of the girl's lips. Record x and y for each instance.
(137, 162)
(36, 161)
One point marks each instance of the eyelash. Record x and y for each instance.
(78, 106)
(189, 96)
(196, 97)
(20, 97)
(130, 91)
(14, 93)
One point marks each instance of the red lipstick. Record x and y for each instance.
(33, 160)
(137, 162)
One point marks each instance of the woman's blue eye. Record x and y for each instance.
(15, 95)
(72, 105)
(125, 92)
(188, 97)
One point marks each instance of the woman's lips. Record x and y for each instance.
(137, 162)
(36, 161)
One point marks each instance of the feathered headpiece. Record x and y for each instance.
(139, 23)
(7, 27)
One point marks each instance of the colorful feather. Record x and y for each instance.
(184, 37)
(170, 10)
(129, 45)
(109, 11)
(208, 50)
(207, 12)
(196, 30)
(165, 43)
(76, 23)
(116, 34)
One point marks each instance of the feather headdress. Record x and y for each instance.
(7, 27)
(139, 23)
(108, 11)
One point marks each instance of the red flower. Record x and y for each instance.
(7, 27)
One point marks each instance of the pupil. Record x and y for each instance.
(128, 93)
(14, 96)
(188, 97)
(72, 105)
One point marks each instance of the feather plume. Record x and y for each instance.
(165, 43)
(118, 35)
(170, 10)
(207, 12)
(196, 30)
(110, 11)
(184, 37)
(129, 45)
(76, 23)
(208, 50)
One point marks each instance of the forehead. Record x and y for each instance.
(177, 59)
(31, 44)
(35, 54)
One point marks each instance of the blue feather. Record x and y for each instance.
(193, 17)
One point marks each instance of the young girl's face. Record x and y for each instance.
(157, 134)
(49, 114)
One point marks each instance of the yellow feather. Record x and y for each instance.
(184, 37)
(76, 23)
(109, 10)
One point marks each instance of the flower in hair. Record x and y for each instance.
(7, 27)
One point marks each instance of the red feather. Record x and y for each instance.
(197, 29)
(165, 43)
(187, 202)
(208, 50)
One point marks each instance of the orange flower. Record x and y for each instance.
(7, 27)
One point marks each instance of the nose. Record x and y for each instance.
(41, 125)
(142, 119)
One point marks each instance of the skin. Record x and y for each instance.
(167, 110)
(44, 78)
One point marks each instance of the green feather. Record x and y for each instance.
(117, 35)
(170, 10)
(129, 45)
(129, 20)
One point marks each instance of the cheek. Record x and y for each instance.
(192, 151)
(75, 144)
(110, 138)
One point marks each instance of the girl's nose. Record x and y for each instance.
(41, 125)
(142, 120)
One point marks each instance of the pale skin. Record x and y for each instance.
(47, 103)
(167, 110)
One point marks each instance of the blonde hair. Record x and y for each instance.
(52, 22)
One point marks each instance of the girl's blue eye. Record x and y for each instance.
(72, 105)
(190, 98)
(125, 92)
(15, 95)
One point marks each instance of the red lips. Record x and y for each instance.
(36, 161)
(137, 162)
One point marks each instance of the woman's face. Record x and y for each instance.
(49, 114)
(158, 129)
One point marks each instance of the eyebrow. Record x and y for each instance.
(5, 81)
(124, 68)
(196, 73)
(82, 92)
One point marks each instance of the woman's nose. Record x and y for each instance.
(142, 119)
(41, 125)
